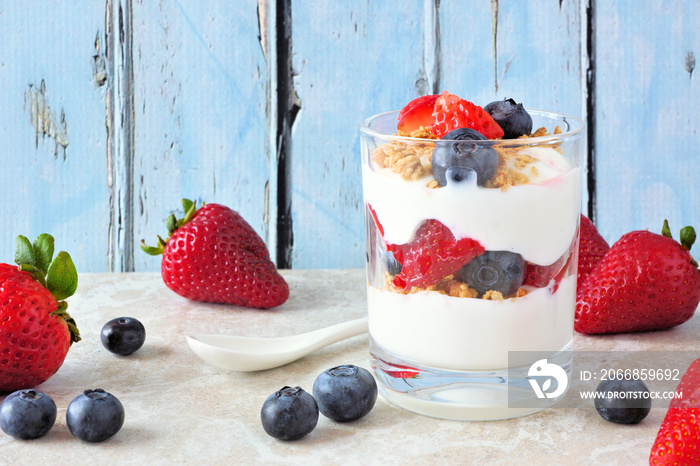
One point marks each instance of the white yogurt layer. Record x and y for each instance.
(440, 331)
(538, 220)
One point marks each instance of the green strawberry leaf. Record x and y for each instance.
(171, 224)
(72, 327)
(187, 205)
(37, 274)
(43, 251)
(24, 252)
(152, 250)
(666, 230)
(190, 209)
(62, 277)
(688, 237)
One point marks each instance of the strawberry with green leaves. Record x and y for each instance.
(214, 255)
(678, 439)
(646, 281)
(35, 329)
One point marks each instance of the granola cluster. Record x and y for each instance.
(408, 159)
(412, 160)
(450, 286)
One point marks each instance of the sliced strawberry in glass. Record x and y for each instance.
(417, 113)
(451, 112)
(541, 276)
(432, 255)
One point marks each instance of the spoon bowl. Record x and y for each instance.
(248, 354)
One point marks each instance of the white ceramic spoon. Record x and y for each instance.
(248, 354)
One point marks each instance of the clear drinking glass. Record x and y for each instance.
(439, 342)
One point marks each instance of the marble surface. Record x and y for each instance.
(182, 411)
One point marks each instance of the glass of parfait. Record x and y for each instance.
(471, 262)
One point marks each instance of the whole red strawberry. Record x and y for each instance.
(432, 255)
(214, 255)
(450, 112)
(678, 440)
(591, 248)
(646, 281)
(35, 329)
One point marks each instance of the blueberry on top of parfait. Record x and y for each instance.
(462, 157)
(511, 117)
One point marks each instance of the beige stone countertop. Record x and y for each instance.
(180, 410)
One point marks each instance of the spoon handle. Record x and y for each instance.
(323, 337)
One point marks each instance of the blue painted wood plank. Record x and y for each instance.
(533, 52)
(530, 51)
(350, 61)
(52, 129)
(647, 116)
(201, 113)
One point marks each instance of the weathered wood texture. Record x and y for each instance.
(344, 70)
(53, 142)
(647, 121)
(201, 89)
(256, 105)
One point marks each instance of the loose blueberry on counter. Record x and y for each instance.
(459, 160)
(511, 117)
(623, 401)
(123, 335)
(94, 415)
(502, 271)
(345, 393)
(289, 414)
(27, 414)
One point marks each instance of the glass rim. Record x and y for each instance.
(580, 126)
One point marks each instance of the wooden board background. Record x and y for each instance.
(112, 111)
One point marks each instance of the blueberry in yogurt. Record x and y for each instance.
(462, 157)
(501, 271)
